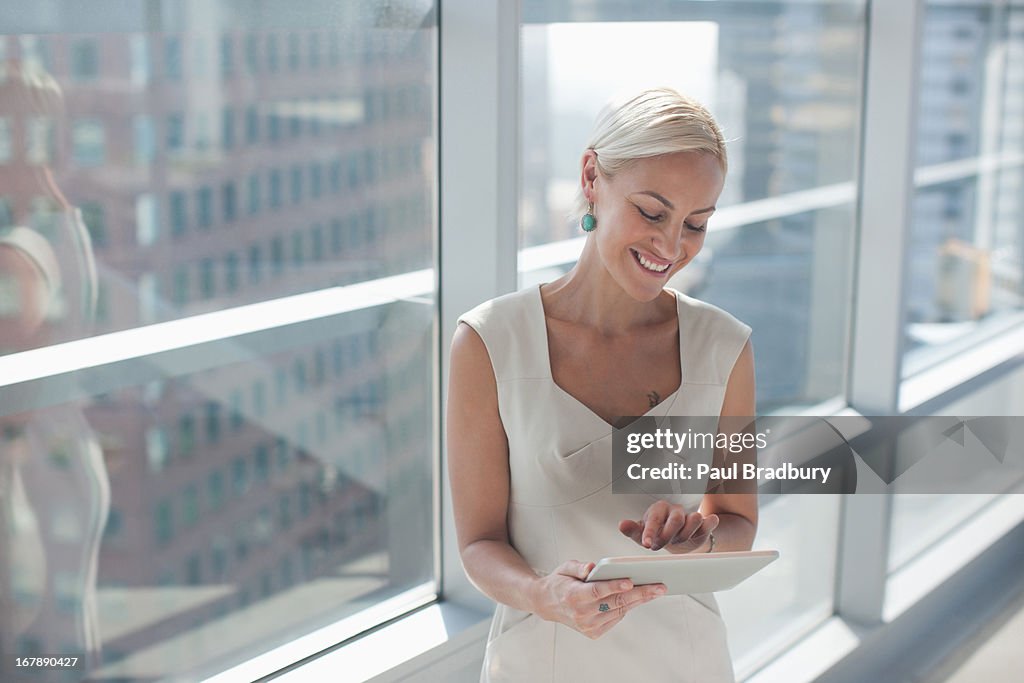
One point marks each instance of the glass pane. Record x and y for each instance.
(168, 160)
(792, 595)
(196, 520)
(783, 80)
(967, 232)
(233, 143)
(921, 520)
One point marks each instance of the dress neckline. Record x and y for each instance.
(543, 331)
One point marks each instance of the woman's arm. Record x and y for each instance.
(479, 475)
(736, 512)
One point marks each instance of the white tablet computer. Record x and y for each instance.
(682, 574)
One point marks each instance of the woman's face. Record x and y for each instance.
(652, 216)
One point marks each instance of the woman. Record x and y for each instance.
(538, 379)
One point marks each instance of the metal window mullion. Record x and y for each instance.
(479, 179)
(884, 216)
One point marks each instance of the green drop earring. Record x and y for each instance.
(588, 222)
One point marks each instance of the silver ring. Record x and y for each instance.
(603, 607)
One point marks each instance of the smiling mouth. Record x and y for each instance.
(649, 266)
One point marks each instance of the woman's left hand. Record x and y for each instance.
(668, 526)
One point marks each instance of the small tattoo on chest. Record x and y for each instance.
(653, 398)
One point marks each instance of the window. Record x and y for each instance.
(272, 56)
(95, 221)
(172, 58)
(85, 60)
(207, 280)
(5, 140)
(254, 194)
(204, 208)
(296, 184)
(965, 231)
(227, 57)
(145, 140)
(231, 273)
(275, 189)
(183, 126)
(294, 49)
(229, 201)
(252, 125)
(252, 53)
(179, 213)
(147, 226)
(227, 135)
(175, 124)
(88, 142)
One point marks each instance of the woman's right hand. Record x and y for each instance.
(564, 596)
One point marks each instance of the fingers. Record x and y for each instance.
(602, 590)
(620, 604)
(575, 569)
(632, 529)
(654, 521)
(674, 524)
(708, 524)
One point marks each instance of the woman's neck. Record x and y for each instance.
(589, 295)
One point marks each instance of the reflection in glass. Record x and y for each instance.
(201, 158)
(967, 233)
(783, 80)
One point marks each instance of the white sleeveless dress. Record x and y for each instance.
(561, 506)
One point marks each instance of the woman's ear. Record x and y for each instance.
(588, 174)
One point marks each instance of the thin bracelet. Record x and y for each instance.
(711, 541)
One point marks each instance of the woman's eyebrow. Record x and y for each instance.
(651, 193)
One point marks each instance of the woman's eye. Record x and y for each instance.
(649, 216)
(697, 228)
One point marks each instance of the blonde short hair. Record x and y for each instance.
(654, 122)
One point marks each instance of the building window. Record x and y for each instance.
(227, 58)
(212, 421)
(88, 143)
(296, 184)
(206, 278)
(145, 140)
(215, 490)
(252, 125)
(314, 51)
(186, 435)
(181, 292)
(231, 272)
(315, 180)
(5, 140)
(95, 223)
(163, 522)
(294, 49)
(85, 60)
(172, 58)
(254, 194)
(255, 263)
(179, 213)
(229, 201)
(298, 248)
(252, 53)
(204, 208)
(189, 505)
(277, 255)
(227, 135)
(147, 227)
(272, 56)
(275, 188)
(175, 132)
(317, 242)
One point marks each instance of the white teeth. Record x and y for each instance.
(650, 266)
